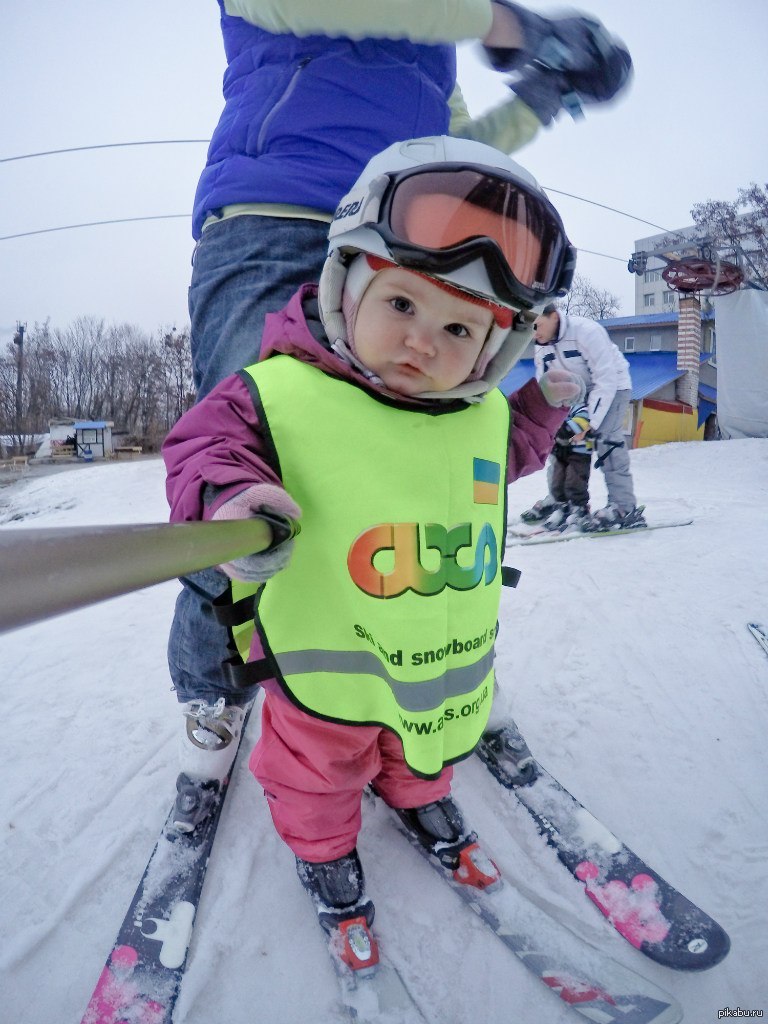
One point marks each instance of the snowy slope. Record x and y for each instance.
(626, 662)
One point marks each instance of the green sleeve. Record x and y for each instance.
(423, 21)
(508, 127)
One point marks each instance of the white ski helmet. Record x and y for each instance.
(463, 213)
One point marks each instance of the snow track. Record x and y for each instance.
(628, 667)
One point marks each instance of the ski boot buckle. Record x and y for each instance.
(476, 869)
(357, 947)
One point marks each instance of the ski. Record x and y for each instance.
(141, 979)
(588, 981)
(644, 908)
(522, 533)
(371, 988)
(760, 634)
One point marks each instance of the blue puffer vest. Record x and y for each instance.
(302, 117)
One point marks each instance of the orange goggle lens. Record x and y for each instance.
(441, 211)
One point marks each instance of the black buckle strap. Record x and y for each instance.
(233, 613)
(244, 675)
(510, 577)
(611, 446)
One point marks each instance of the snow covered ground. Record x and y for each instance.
(625, 661)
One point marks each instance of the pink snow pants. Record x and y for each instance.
(314, 773)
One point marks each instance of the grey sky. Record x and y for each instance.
(692, 127)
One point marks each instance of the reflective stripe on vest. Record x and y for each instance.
(386, 613)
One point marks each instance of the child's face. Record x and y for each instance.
(416, 336)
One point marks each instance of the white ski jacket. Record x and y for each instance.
(585, 348)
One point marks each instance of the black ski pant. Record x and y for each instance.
(569, 476)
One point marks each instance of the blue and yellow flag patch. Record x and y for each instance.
(486, 476)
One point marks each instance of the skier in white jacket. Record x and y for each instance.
(583, 347)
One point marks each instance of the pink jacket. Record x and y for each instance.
(217, 450)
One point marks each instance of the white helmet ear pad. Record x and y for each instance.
(330, 297)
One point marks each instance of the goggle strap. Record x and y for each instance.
(360, 207)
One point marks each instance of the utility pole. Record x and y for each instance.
(18, 339)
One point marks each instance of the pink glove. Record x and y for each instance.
(561, 388)
(250, 504)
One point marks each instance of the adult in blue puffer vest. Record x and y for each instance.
(312, 91)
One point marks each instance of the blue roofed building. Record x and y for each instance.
(71, 438)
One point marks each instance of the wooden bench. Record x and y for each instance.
(19, 463)
(62, 451)
(129, 450)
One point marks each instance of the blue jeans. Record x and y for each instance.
(243, 268)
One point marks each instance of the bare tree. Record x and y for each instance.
(89, 370)
(8, 394)
(586, 299)
(738, 230)
(39, 376)
(177, 374)
(20, 400)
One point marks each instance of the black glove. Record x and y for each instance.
(566, 62)
(571, 427)
(546, 93)
(565, 433)
(536, 30)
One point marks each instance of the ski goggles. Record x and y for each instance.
(440, 217)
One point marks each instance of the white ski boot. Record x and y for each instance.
(612, 518)
(577, 520)
(555, 521)
(539, 510)
(208, 747)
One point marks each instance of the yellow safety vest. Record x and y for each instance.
(386, 614)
